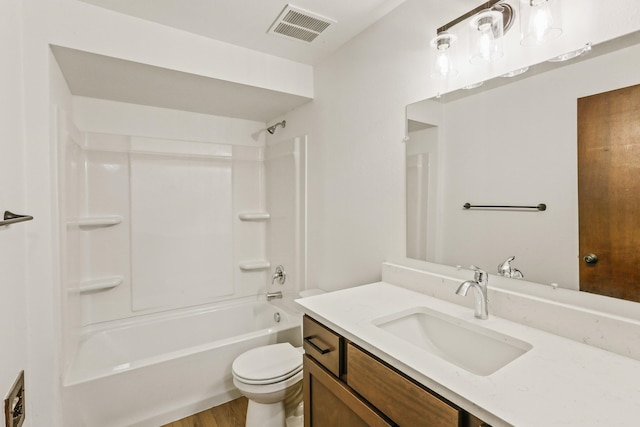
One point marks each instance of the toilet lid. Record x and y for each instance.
(267, 364)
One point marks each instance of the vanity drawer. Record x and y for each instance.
(322, 344)
(399, 398)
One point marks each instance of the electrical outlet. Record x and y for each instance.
(14, 405)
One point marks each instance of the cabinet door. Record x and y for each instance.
(328, 402)
(399, 398)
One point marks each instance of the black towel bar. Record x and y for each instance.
(540, 207)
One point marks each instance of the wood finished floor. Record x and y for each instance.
(230, 414)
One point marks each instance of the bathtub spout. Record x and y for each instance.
(274, 295)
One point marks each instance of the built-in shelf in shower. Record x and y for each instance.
(254, 265)
(102, 284)
(98, 221)
(254, 216)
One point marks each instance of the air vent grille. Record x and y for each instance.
(296, 23)
(306, 21)
(295, 32)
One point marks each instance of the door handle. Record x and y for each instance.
(590, 258)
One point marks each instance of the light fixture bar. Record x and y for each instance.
(468, 15)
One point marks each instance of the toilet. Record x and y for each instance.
(271, 378)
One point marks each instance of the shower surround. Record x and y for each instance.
(165, 228)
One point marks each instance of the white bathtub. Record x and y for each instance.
(159, 368)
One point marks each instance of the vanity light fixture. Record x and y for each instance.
(573, 54)
(488, 24)
(539, 21)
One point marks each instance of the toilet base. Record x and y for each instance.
(265, 414)
(274, 414)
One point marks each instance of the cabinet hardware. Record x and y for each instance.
(315, 346)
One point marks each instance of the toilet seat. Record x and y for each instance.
(267, 364)
(270, 380)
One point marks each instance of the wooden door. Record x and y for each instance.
(609, 193)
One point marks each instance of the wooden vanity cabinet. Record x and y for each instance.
(346, 386)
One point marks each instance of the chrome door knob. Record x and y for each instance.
(590, 258)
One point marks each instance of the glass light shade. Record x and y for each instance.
(486, 37)
(539, 21)
(443, 66)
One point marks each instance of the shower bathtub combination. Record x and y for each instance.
(167, 255)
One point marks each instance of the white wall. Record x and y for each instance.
(13, 239)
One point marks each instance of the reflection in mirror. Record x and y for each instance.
(421, 169)
(514, 141)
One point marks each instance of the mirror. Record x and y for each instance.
(511, 142)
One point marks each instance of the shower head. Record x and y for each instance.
(272, 129)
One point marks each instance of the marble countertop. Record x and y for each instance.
(559, 382)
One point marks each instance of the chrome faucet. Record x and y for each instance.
(479, 285)
(280, 275)
(274, 295)
(506, 270)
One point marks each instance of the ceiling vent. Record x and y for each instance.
(298, 24)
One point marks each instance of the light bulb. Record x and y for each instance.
(486, 36)
(483, 46)
(541, 21)
(443, 65)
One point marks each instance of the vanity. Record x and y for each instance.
(368, 361)
(346, 385)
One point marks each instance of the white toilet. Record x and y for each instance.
(271, 378)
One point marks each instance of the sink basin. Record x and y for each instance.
(469, 346)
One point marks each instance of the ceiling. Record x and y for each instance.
(245, 22)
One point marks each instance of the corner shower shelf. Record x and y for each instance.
(254, 265)
(254, 216)
(99, 221)
(101, 284)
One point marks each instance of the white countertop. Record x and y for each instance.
(559, 382)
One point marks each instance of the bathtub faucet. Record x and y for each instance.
(274, 295)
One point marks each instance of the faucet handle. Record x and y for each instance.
(505, 269)
(280, 275)
(480, 274)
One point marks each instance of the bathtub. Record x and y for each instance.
(162, 367)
